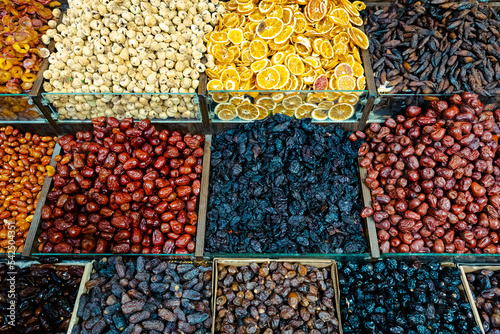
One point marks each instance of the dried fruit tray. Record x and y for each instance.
(200, 232)
(34, 128)
(85, 276)
(90, 267)
(332, 264)
(466, 269)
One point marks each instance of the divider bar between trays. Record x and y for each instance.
(243, 262)
(203, 200)
(371, 230)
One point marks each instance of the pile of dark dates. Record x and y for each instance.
(43, 294)
(400, 297)
(484, 287)
(275, 297)
(146, 296)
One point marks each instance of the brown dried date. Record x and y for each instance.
(128, 178)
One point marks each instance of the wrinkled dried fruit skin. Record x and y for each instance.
(128, 186)
(484, 287)
(442, 196)
(403, 297)
(45, 295)
(274, 295)
(150, 294)
(283, 173)
(441, 46)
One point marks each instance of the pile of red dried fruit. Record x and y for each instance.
(435, 179)
(124, 188)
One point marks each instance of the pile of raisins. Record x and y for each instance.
(485, 288)
(403, 298)
(146, 296)
(43, 296)
(284, 186)
(275, 297)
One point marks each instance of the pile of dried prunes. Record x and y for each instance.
(146, 296)
(403, 298)
(284, 186)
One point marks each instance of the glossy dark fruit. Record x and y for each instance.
(284, 186)
(148, 294)
(403, 297)
(44, 296)
(484, 287)
(271, 296)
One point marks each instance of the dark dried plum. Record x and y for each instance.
(284, 186)
(403, 298)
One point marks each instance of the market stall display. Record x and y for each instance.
(260, 46)
(124, 188)
(146, 295)
(403, 297)
(116, 58)
(275, 295)
(433, 175)
(45, 296)
(276, 186)
(435, 47)
(26, 158)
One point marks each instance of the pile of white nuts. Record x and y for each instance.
(129, 46)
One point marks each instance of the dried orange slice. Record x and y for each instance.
(317, 45)
(359, 5)
(266, 6)
(314, 98)
(266, 102)
(340, 16)
(295, 65)
(359, 38)
(247, 111)
(246, 75)
(231, 85)
(219, 37)
(215, 84)
(343, 69)
(287, 17)
(361, 83)
(293, 83)
(246, 8)
(230, 20)
(357, 70)
(326, 104)
(340, 49)
(277, 97)
(341, 112)
(349, 8)
(349, 99)
(235, 35)
(356, 20)
(269, 28)
(284, 35)
(262, 112)
(304, 111)
(345, 82)
(341, 37)
(258, 49)
(230, 73)
(278, 58)
(326, 50)
(321, 83)
(284, 75)
(292, 102)
(325, 25)
(226, 111)
(276, 12)
(316, 10)
(300, 24)
(314, 62)
(220, 97)
(320, 114)
(268, 78)
(260, 65)
(256, 17)
(237, 100)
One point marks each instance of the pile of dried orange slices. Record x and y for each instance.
(287, 45)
